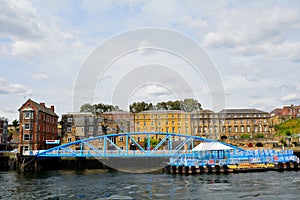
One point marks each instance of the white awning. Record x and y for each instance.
(211, 146)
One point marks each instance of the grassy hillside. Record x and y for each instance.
(287, 128)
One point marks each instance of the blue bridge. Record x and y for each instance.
(128, 145)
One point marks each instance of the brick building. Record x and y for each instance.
(37, 124)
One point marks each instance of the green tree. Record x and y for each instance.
(137, 107)
(190, 105)
(16, 124)
(87, 108)
(153, 142)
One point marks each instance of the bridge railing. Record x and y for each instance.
(113, 153)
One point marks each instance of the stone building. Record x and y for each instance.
(205, 123)
(38, 123)
(79, 125)
(3, 130)
(236, 122)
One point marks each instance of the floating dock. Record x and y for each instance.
(216, 157)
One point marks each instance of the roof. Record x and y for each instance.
(211, 146)
(39, 107)
(242, 111)
(161, 111)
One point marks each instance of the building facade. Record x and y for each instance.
(117, 121)
(37, 124)
(237, 122)
(76, 126)
(205, 123)
(3, 130)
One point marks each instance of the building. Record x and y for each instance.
(290, 112)
(38, 123)
(118, 121)
(205, 123)
(237, 122)
(169, 121)
(3, 130)
(80, 125)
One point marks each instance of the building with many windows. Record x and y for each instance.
(205, 123)
(3, 129)
(235, 122)
(169, 121)
(38, 123)
(80, 125)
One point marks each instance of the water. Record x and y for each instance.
(101, 184)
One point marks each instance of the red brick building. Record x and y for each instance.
(37, 124)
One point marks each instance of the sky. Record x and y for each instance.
(55, 51)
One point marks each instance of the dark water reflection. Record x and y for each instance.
(101, 184)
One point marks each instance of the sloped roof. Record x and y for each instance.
(242, 111)
(40, 107)
(211, 146)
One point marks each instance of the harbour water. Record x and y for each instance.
(103, 184)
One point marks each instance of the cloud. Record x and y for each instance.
(10, 88)
(291, 97)
(40, 76)
(258, 31)
(19, 20)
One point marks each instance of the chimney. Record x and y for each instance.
(52, 108)
(42, 104)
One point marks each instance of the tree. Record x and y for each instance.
(16, 124)
(190, 105)
(87, 108)
(137, 107)
(98, 108)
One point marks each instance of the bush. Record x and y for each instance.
(245, 136)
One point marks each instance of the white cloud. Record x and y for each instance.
(12, 88)
(40, 76)
(25, 49)
(258, 32)
(291, 97)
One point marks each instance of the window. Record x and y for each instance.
(138, 139)
(121, 139)
(70, 119)
(167, 129)
(26, 148)
(248, 129)
(69, 139)
(27, 126)
(242, 129)
(236, 129)
(229, 129)
(26, 137)
(173, 129)
(28, 115)
(173, 122)
(69, 129)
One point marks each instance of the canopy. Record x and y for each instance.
(211, 146)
